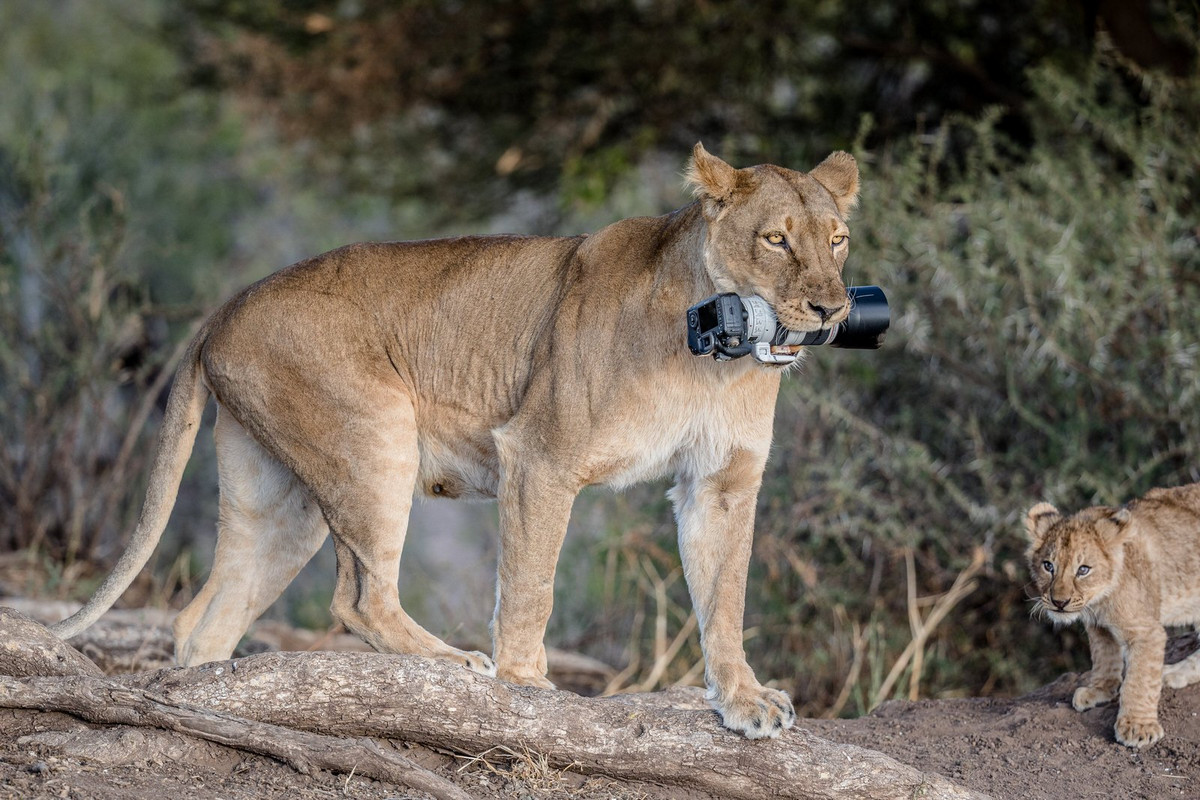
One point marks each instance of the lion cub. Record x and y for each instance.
(1127, 573)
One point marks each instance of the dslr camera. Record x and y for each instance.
(728, 326)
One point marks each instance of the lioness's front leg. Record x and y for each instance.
(535, 506)
(715, 514)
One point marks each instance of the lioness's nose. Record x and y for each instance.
(825, 312)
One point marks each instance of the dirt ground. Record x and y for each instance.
(1036, 747)
(1032, 748)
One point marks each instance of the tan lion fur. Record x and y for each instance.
(516, 367)
(1141, 566)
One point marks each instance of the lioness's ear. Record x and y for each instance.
(1039, 520)
(839, 174)
(713, 180)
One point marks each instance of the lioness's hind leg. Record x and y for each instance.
(369, 529)
(269, 527)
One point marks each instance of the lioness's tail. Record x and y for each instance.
(181, 420)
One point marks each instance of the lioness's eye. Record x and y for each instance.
(1084, 570)
(839, 240)
(1046, 565)
(775, 238)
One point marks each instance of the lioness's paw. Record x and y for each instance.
(1138, 732)
(757, 712)
(1086, 697)
(478, 662)
(524, 677)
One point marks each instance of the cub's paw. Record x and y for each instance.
(1182, 674)
(757, 712)
(1138, 732)
(1086, 697)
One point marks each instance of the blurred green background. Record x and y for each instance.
(1030, 176)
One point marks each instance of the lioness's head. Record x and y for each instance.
(779, 234)
(1075, 560)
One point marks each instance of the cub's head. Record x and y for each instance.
(1075, 560)
(779, 234)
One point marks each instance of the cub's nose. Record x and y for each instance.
(1059, 604)
(825, 312)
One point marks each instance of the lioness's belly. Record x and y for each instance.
(457, 467)
(662, 442)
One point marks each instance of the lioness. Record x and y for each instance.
(516, 367)
(1127, 572)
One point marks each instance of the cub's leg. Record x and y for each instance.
(715, 514)
(268, 529)
(535, 505)
(1182, 673)
(1137, 721)
(1104, 681)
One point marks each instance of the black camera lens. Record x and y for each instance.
(869, 318)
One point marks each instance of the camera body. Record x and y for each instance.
(728, 326)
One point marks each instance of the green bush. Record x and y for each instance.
(1046, 308)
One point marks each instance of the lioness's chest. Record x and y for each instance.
(676, 435)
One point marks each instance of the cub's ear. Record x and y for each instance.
(839, 174)
(1039, 520)
(1114, 526)
(714, 181)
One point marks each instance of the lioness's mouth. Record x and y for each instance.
(805, 316)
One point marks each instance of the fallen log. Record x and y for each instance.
(411, 699)
(28, 648)
(105, 702)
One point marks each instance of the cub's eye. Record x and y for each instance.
(839, 240)
(776, 239)
(1049, 567)
(1083, 570)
